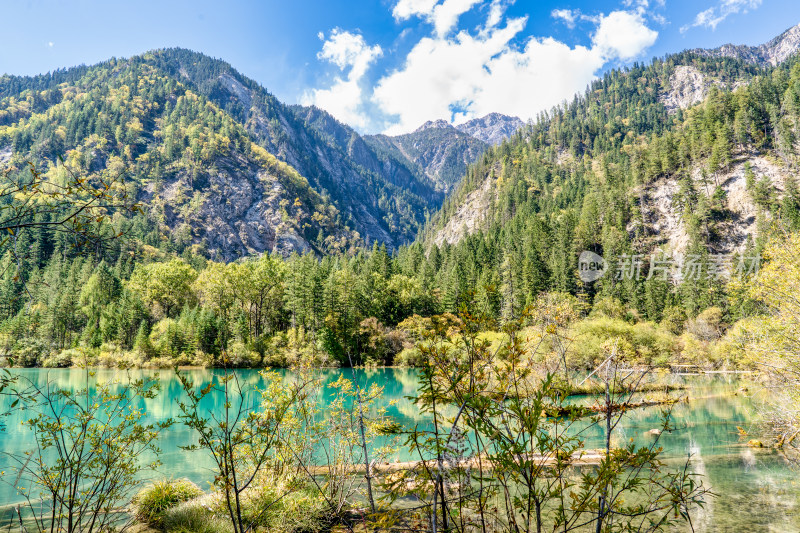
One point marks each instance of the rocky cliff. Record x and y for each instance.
(436, 149)
(493, 128)
(771, 53)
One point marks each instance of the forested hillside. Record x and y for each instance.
(203, 179)
(382, 197)
(182, 126)
(616, 172)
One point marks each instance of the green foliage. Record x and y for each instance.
(573, 180)
(91, 446)
(641, 343)
(243, 443)
(152, 502)
(276, 508)
(165, 287)
(170, 139)
(504, 443)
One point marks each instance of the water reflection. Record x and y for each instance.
(757, 487)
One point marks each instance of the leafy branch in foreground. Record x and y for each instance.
(507, 451)
(243, 429)
(83, 207)
(91, 447)
(67, 202)
(773, 338)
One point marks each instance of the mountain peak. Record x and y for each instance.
(492, 128)
(771, 53)
(434, 124)
(781, 47)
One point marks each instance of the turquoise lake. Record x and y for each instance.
(756, 489)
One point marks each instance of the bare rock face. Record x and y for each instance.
(470, 215)
(663, 217)
(770, 53)
(433, 124)
(436, 149)
(782, 47)
(5, 155)
(376, 193)
(238, 212)
(687, 86)
(442, 152)
(493, 128)
(235, 87)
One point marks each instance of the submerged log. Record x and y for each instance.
(594, 388)
(591, 410)
(581, 458)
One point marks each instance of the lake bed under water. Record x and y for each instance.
(756, 489)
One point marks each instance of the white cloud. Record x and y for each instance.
(405, 9)
(51, 44)
(444, 16)
(523, 83)
(457, 75)
(469, 76)
(345, 49)
(711, 17)
(623, 35)
(567, 15)
(496, 11)
(439, 74)
(345, 98)
(644, 7)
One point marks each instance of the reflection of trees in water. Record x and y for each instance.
(754, 486)
(703, 516)
(407, 379)
(754, 490)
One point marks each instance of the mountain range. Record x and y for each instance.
(690, 159)
(344, 189)
(771, 53)
(226, 168)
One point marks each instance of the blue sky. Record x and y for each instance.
(389, 65)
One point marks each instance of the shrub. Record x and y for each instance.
(63, 359)
(708, 326)
(734, 349)
(279, 508)
(194, 516)
(380, 345)
(609, 307)
(29, 352)
(694, 350)
(239, 355)
(409, 357)
(295, 348)
(674, 319)
(151, 504)
(112, 356)
(639, 343)
(275, 505)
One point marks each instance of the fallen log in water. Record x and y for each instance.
(581, 458)
(588, 389)
(591, 410)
